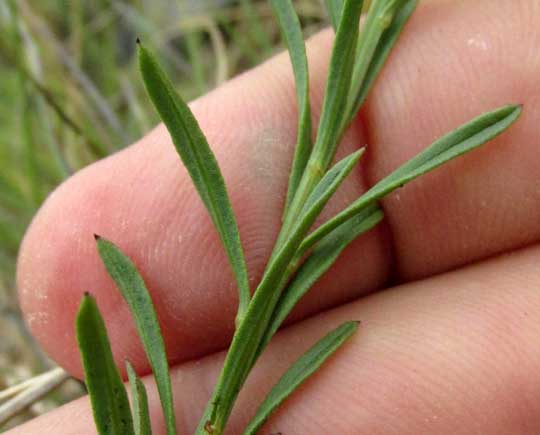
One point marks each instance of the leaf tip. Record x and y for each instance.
(515, 110)
(97, 237)
(138, 41)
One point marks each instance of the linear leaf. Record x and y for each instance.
(338, 83)
(243, 350)
(334, 8)
(133, 289)
(139, 398)
(317, 264)
(292, 34)
(328, 185)
(107, 393)
(384, 46)
(201, 164)
(333, 109)
(464, 139)
(304, 367)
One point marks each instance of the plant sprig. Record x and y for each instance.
(299, 257)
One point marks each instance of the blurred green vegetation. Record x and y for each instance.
(70, 93)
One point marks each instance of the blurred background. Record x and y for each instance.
(70, 93)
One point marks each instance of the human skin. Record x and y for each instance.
(447, 288)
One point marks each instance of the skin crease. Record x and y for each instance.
(454, 353)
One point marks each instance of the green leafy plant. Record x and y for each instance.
(300, 255)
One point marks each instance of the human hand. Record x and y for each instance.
(453, 353)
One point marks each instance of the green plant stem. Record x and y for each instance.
(378, 18)
(292, 34)
(246, 342)
(329, 131)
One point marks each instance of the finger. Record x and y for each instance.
(453, 354)
(464, 58)
(143, 200)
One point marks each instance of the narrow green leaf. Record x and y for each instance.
(292, 34)
(139, 399)
(243, 350)
(201, 164)
(464, 139)
(333, 109)
(338, 84)
(317, 264)
(131, 285)
(304, 367)
(334, 8)
(328, 185)
(107, 393)
(362, 84)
